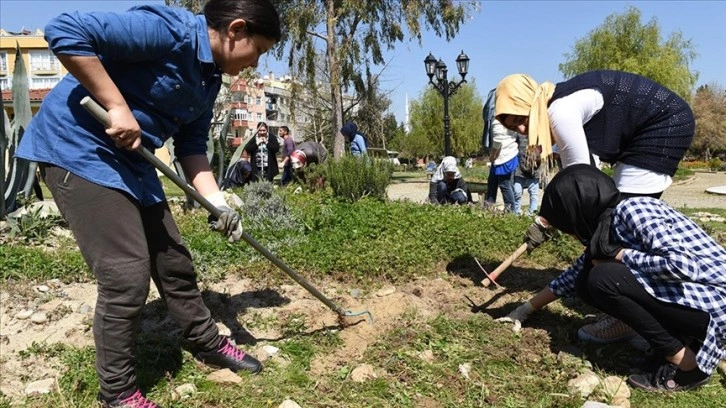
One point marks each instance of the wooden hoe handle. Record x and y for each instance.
(504, 265)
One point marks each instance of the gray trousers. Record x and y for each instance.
(125, 245)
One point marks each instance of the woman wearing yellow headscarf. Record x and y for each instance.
(624, 119)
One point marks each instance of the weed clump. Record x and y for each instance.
(352, 178)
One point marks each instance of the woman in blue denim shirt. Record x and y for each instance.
(157, 70)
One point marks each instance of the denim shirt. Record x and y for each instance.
(161, 60)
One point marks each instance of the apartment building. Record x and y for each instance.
(245, 99)
(43, 68)
(264, 99)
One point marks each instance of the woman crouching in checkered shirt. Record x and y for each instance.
(646, 264)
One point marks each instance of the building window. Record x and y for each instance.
(258, 101)
(3, 61)
(5, 84)
(43, 82)
(259, 117)
(43, 60)
(240, 114)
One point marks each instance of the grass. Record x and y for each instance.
(365, 244)
(506, 370)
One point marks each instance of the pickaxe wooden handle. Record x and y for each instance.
(491, 277)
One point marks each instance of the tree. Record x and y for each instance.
(353, 35)
(427, 127)
(371, 113)
(195, 6)
(709, 108)
(624, 43)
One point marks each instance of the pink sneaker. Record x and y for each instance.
(128, 399)
(227, 355)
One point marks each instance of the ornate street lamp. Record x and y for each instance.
(446, 88)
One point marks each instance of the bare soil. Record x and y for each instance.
(240, 306)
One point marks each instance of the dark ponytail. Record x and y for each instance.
(260, 16)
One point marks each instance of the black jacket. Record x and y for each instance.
(273, 146)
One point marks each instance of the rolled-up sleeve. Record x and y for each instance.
(136, 35)
(189, 141)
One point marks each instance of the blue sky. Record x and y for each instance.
(504, 37)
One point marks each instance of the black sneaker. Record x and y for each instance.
(128, 399)
(646, 364)
(669, 378)
(227, 355)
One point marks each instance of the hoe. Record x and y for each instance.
(102, 116)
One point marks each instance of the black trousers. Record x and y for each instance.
(126, 245)
(612, 288)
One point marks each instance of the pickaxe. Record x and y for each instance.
(491, 277)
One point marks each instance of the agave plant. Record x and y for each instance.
(16, 175)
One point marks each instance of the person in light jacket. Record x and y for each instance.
(447, 186)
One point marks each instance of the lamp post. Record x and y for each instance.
(446, 88)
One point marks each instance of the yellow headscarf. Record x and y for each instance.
(519, 94)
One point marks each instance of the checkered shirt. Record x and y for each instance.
(675, 261)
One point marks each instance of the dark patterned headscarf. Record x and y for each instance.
(579, 200)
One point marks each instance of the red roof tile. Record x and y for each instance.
(36, 95)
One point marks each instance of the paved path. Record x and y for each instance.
(688, 193)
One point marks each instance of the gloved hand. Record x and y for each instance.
(517, 316)
(228, 222)
(536, 234)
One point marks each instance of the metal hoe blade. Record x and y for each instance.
(487, 274)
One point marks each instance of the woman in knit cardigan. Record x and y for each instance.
(624, 119)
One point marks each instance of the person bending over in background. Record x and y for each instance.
(627, 120)
(447, 186)
(646, 264)
(308, 153)
(160, 83)
(358, 141)
(239, 175)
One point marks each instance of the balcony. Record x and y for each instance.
(239, 105)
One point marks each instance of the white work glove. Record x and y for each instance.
(228, 222)
(517, 316)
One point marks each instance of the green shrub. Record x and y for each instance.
(353, 178)
(715, 164)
